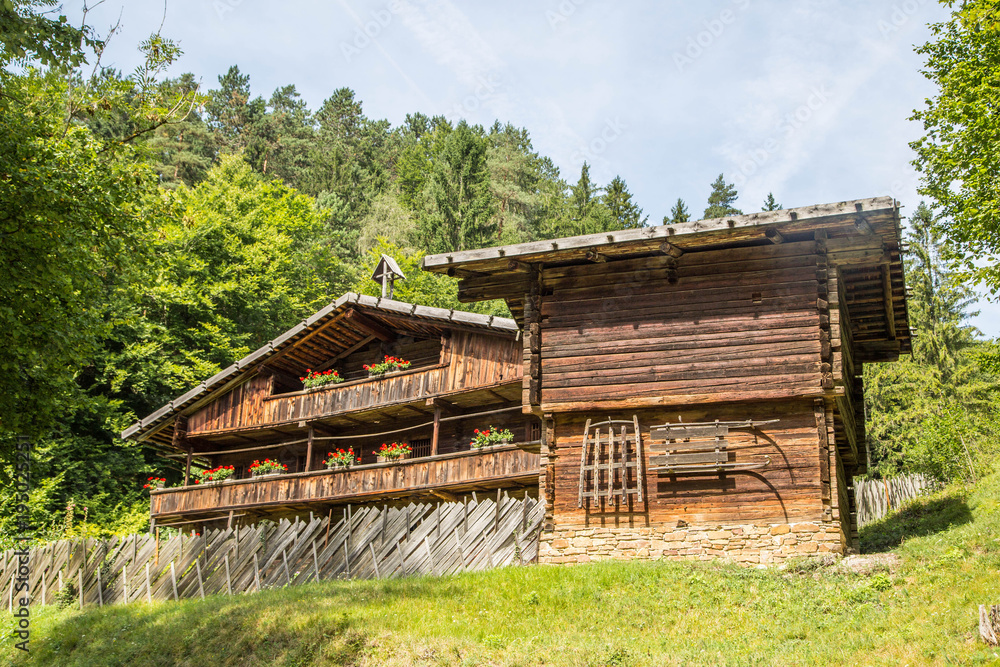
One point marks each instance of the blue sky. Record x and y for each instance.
(806, 99)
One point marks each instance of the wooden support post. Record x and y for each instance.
(315, 560)
(173, 578)
(329, 520)
(44, 589)
(347, 560)
(79, 576)
(437, 430)
(124, 584)
(187, 466)
(309, 449)
(256, 572)
(149, 590)
(229, 524)
(229, 579)
(284, 561)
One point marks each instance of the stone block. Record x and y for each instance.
(805, 528)
(780, 529)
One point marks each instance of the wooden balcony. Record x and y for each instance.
(250, 407)
(498, 467)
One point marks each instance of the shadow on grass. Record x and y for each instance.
(916, 519)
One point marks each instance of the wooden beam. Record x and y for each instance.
(349, 351)
(595, 256)
(890, 315)
(371, 326)
(309, 449)
(668, 248)
(773, 235)
(437, 430)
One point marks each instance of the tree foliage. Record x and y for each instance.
(959, 155)
(937, 412)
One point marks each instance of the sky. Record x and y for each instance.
(808, 99)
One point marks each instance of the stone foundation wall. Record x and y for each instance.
(749, 544)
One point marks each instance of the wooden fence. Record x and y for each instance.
(366, 542)
(877, 497)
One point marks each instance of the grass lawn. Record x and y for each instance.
(923, 611)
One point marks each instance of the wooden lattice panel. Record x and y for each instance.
(611, 464)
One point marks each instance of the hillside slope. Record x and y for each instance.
(920, 610)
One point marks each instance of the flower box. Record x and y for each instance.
(342, 459)
(320, 379)
(393, 452)
(491, 437)
(387, 366)
(267, 468)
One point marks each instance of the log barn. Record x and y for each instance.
(699, 385)
(681, 391)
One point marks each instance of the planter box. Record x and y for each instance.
(383, 459)
(268, 474)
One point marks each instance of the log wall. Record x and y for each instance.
(722, 325)
(788, 489)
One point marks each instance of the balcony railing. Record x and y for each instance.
(455, 473)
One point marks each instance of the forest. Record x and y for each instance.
(152, 232)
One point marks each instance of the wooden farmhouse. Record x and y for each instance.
(464, 374)
(682, 391)
(699, 384)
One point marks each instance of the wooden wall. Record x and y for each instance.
(789, 489)
(476, 360)
(736, 324)
(465, 361)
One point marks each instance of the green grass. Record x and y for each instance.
(622, 614)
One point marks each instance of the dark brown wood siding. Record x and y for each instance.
(737, 324)
(788, 489)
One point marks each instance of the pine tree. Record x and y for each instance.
(770, 204)
(583, 195)
(678, 213)
(721, 200)
(230, 112)
(625, 214)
